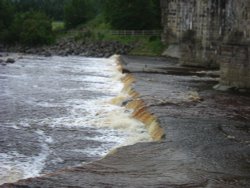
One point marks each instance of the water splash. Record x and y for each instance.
(51, 103)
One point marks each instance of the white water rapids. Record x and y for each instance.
(55, 112)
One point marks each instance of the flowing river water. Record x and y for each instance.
(55, 112)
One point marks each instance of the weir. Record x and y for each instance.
(140, 111)
(206, 145)
(69, 114)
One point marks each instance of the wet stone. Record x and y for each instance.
(10, 60)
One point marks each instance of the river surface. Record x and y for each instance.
(55, 112)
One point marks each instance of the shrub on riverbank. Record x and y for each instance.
(77, 12)
(98, 30)
(6, 17)
(132, 14)
(31, 28)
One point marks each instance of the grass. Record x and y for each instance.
(98, 30)
(144, 45)
(58, 26)
(149, 47)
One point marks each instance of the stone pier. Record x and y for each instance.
(212, 33)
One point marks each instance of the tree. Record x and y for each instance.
(52, 8)
(6, 17)
(132, 14)
(76, 12)
(36, 29)
(31, 28)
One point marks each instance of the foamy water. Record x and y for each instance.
(56, 113)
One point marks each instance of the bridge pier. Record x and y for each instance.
(213, 33)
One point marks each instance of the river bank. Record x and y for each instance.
(71, 46)
(206, 135)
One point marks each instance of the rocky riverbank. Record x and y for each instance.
(9, 58)
(69, 46)
(207, 135)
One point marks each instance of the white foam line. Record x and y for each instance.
(17, 166)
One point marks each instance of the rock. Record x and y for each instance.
(71, 47)
(62, 53)
(2, 62)
(47, 54)
(242, 90)
(220, 87)
(173, 51)
(107, 55)
(10, 60)
(126, 101)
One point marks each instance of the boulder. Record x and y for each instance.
(2, 62)
(10, 60)
(224, 88)
(47, 54)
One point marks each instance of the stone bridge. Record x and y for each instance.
(211, 33)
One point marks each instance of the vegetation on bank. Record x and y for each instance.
(28, 28)
(39, 22)
(132, 14)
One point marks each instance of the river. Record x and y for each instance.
(55, 112)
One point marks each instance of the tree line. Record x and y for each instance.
(29, 21)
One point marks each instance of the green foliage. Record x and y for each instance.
(149, 46)
(52, 8)
(96, 6)
(98, 30)
(6, 17)
(77, 12)
(84, 36)
(6, 14)
(36, 29)
(21, 21)
(132, 14)
(32, 28)
(98, 23)
(58, 26)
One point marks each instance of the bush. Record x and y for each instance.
(6, 17)
(58, 26)
(76, 12)
(32, 28)
(148, 46)
(132, 14)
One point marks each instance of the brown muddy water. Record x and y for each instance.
(55, 112)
